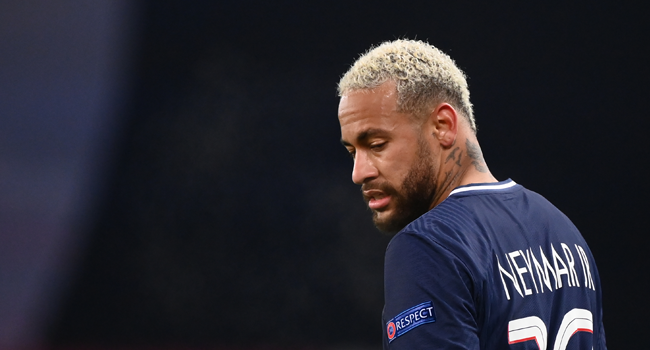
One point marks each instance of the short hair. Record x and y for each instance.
(424, 75)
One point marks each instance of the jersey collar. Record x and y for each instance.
(482, 187)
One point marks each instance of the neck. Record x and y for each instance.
(461, 164)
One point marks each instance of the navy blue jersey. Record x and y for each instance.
(494, 266)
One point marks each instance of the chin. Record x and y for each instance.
(395, 219)
(386, 223)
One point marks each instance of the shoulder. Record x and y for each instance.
(428, 257)
(463, 229)
(430, 239)
(469, 205)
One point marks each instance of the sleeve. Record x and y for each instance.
(428, 297)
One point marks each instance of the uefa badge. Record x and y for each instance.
(390, 330)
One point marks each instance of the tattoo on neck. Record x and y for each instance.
(446, 184)
(452, 155)
(474, 152)
(449, 183)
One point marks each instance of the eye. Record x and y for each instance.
(377, 146)
(352, 153)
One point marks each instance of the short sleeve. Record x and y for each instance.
(429, 299)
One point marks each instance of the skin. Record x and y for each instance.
(398, 157)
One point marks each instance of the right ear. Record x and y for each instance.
(443, 124)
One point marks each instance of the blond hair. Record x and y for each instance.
(424, 75)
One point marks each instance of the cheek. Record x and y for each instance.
(395, 169)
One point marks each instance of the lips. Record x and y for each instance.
(377, 204)
(376, 199)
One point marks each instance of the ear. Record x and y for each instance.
(444, 122)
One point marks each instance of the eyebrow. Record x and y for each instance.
(366, 135)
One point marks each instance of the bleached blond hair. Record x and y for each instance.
(424, 75)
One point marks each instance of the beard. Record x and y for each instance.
(413, 198)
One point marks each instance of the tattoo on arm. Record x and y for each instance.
(474, 152)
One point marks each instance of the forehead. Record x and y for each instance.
(372, 108)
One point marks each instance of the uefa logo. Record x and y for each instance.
(390, 330)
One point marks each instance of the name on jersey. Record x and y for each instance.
(407, 320)
(531, 271)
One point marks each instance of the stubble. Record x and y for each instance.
(415, 196)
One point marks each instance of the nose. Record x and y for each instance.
(363, 169)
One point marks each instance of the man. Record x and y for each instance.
(475, 263)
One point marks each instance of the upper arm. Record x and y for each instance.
(417, 271)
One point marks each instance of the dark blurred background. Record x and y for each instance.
(171, 174)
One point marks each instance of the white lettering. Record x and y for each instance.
(530, 268)
(520, 271)
(502, 272)
(559, 271)
(571, 263)
(413, 318)
(562, 264)
(589, 282)
(540, 273)
(548, 269)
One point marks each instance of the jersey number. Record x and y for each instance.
(533, 328)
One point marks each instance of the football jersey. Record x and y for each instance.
(494, 266)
